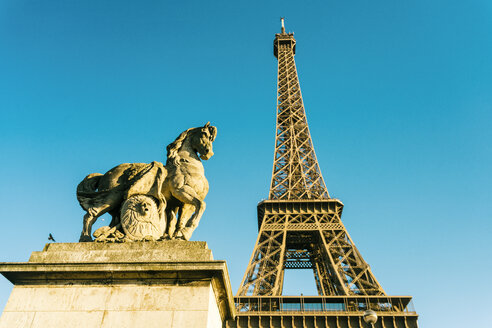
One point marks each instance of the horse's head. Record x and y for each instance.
(199, 139)
(202, 139)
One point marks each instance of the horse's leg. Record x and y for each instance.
(187, 195)
(170, 223)
(185, 213)
(193, 222)
(89, 219)
(115, 218)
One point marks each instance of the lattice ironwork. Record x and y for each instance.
(306, 235)
(322, 312)
(299, 225)
(296, 174)
(300, 228)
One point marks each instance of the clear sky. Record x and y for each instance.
(398, 96)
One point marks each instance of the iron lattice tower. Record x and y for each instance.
(296, 174)
(300, 227)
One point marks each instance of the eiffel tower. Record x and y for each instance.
(300, 227)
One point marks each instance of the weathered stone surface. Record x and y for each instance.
(140, 219)
(16, 319)
(112, 306)
(130, 319)
(146, 284)
(159, 251)
(171, 195)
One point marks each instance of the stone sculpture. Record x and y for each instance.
(151, 201)
(140, 218)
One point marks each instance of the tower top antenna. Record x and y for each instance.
(282, 22)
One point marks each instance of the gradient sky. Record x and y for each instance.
(398, 96)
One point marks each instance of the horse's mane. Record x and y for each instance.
(173, 147)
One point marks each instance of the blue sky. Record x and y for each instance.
(398, 98)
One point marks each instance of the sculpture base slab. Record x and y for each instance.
(142, 284)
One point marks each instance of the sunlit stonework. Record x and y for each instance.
(151, 201)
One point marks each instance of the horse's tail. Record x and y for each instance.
(87, 190)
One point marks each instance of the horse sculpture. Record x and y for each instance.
(179, 188)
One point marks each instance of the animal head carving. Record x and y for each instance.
(206, 137)
(200, 140)
(140, 218)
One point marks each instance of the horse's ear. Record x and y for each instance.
(213, 132)
(207, 125)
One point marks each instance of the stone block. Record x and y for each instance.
(131, 319)
(16, 319)
(158, 251)
(72, 319)
(189, 319)
(140, 284)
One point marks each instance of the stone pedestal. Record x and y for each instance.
(141, 284)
